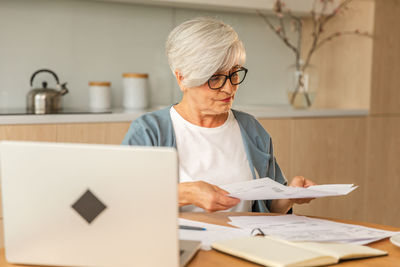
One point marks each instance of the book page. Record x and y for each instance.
(341, 251)
(271, 252)
(301, 228)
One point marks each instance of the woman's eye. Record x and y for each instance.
(215, 78)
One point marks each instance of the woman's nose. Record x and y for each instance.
(228, 87)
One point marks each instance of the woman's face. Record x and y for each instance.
(213, 102)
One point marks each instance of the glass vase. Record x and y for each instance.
(302, 86)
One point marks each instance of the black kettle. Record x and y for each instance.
(45, 100)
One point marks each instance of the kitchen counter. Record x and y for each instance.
(119, 115)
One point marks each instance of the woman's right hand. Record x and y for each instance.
(206, 196)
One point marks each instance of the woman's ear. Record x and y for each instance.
(179, 79)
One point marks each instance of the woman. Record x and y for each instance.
(216, 145)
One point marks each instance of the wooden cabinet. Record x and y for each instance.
(385, 82)
(332, 151)
(90, 133)
(382, 180)
(325, 150)
(359, 150)
(37, 132)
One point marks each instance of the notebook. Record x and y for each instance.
(270, 251)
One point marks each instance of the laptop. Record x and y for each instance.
(90, 205)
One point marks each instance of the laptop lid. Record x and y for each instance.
(187, 250)
(89, 205)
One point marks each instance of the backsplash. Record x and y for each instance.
(86, 41)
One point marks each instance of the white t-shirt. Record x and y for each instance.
(214, 155)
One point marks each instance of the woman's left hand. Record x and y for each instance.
(283, 205)
(300, 181)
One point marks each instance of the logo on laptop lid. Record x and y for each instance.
(89, 206)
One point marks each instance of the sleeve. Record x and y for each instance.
(268, 167)
(139, 135)
(275, 172)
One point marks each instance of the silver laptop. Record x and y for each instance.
(90, 205)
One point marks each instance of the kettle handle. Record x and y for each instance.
(44, 70)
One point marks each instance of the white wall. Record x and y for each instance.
(87, 40)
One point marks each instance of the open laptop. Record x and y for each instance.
(90, 205)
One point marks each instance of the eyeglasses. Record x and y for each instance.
(217, 81)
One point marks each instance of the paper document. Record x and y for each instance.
(213, 233)
(301, 228)
(266, 188)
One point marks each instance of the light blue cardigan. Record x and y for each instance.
(156, 129)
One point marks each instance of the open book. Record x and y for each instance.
(270, 251)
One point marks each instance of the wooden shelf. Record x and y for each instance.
(299, 7)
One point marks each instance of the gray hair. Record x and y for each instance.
(200, 47)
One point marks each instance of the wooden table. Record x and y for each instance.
(214, 258)
(217, 259)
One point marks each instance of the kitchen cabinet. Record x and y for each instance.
(332, 151)
(37, 132)
(359, 149)
(299, 7)
(325, 150)
(385, 82)
(90, 133)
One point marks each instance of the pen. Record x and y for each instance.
(186, 227)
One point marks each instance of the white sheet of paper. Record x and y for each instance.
(301, 228)
(212, 234)
(266, 188)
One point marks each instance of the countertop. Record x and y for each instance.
(120, 115)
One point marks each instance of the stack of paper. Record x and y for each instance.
(213, 233)
(301, 228)
(266, 188)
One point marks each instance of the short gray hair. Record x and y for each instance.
(200, 47)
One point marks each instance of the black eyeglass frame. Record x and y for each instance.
(228, 76)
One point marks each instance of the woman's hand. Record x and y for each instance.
(300, 181)
(283, 205)
(206, 196)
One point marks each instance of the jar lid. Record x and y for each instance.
(135, 75)
(99, 83)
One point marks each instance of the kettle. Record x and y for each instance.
(45, 100)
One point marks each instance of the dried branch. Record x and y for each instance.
(278, 8)
(319, 23)
(339, 34)
(278, 32)
(319, 19)
(282, 26)
(340, 7)
(299, 37)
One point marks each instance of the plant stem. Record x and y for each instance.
(299, 38)
(283, 38)
(319, 23)
(338, 34)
